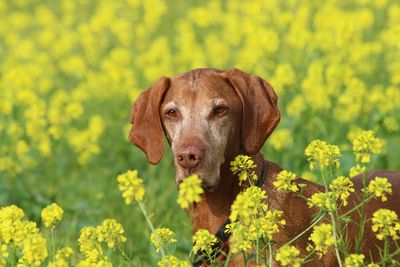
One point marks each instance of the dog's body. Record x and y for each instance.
(209, 117)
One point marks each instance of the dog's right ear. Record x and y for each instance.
(147, 132)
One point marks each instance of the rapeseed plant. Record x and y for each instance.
(203, 241)
(162, 237)
(244, 167)
(321, 154)
(322, 238)
(131, 186)
(379, 187)
(365, 145)
(354, 260)
(289, 256)
(284, 181)
(190, 191)
(386, 224)
(51, 215)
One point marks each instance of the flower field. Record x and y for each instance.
(70, 70)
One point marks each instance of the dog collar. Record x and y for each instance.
(221, 235)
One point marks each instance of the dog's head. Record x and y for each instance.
(208, 117)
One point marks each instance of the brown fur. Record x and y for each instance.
(252, 116)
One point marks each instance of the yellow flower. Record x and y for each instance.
(161, 237)
(322, 238)
(323, 200)
(385, 223)
(89, 244)
(94, 263)
(3, 254)
(354, 260)
(356, 170)
(131, 186)
(341, 188)
(366, 144)
(34, 250)
(242, 236)
(172, 261)
(52, 214)
(289, 255)
(322, 154)
(244, 167)
(269, 223)
(111, 232)
(61, 259)
(284, 181)
(248, 204)
(190, 191)
(380, 187)
(10, 222)
(203, 241)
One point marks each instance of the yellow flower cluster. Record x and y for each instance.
(323, 200)
(52, 214)
(354, 260)
(172, 261)
(13, 227)
(284, 181)
(203, 241)
(322, 238)
(244, 167)
(131, 186)
(251, 219)
(190, 191)
(385, 223)
(380, 187)
(161, 237)
(91, 239)
(366, 144)
(62, 256)
(356, 170)
(341, 188)
(321, 154)
(34, 250)
(289, 256)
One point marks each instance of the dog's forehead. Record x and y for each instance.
(205, 85)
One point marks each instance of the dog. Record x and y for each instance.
(209, 117)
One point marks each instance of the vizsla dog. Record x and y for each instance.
(211, 116)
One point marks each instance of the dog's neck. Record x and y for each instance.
(214, 208)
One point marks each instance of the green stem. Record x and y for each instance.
(365, 201)
(270, 253)
(360, 232)
(335, 238)
(333, 222)
(245, 258)
(228, 258)
(13, 255)
(149, 223)
(385, 250)
(305, 230)
(53, 243)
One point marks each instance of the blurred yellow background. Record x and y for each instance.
(70, 70)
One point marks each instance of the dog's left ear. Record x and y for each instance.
(260, 108)
(147, 132)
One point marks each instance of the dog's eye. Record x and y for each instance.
(219, 111)
(171, 113)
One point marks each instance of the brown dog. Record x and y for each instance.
(209, 117)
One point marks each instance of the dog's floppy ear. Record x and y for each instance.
(260, 108)
(147, 132)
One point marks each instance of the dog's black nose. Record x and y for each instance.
(189, 156)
